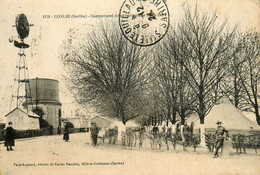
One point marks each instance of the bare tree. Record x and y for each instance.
(108, 71)
(156, 108)
(232, 85)
(249, 70)
(172, 76)
(202, 45)
(166, 85)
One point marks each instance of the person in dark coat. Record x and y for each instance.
(59, 130)
(9, 137)
(51, 130)
(66, 132)
(94, 133)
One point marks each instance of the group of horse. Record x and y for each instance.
(185, 140)
(137, 136)
(133, 137)
(240, 142)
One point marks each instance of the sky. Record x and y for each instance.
(47, 34)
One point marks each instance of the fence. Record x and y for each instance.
(38, 132)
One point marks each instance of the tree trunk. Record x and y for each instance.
(201, 115)
(168, 113)
(236, 92)
(182, 123)
(173, 117)
(202, 136)
(202, 130)
(257, 115)
(121, 128)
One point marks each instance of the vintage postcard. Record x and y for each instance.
(129, 87)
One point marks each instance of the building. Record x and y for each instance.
(102, 122)
(2, 124)
(23, 120)
(82, 121)
(44, 100)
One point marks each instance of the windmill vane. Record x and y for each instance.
(22, 26)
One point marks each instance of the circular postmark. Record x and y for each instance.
(144, 22)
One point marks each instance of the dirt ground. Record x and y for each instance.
(51, 155)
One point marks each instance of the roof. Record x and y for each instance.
(30, 113)
(120, 124)
(44, 79)
(104, 118)
(229, 115)
(115, 122)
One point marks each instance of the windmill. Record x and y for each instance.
(20, 96)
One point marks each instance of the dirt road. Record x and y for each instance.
(51, 155)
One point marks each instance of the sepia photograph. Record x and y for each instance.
(130, 87)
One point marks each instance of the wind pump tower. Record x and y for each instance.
(20, 96)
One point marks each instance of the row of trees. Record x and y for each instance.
(199, 60)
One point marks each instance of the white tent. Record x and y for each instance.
(231, 117)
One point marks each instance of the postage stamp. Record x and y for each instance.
(144, 22)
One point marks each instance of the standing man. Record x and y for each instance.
(94, 133)
(9, 137)
(59, 130)
(66, 132)
(220, 137)
(51, 130)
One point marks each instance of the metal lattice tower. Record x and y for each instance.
(20, 96)
(21, 89)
